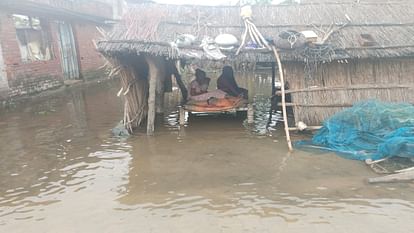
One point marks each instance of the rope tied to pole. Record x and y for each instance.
(257, 37)
(251, 30)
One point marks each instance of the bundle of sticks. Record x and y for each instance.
(135, 91)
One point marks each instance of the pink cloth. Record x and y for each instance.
(205, 96)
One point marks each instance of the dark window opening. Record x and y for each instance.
(33, 37)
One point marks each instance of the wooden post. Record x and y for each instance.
(172, 69)
(160, 102)
(273, 94)
(273, 79)
(250, 114)
(181, 115)
(250, 77)
(152, 80)
(160, 82)
(282, 81)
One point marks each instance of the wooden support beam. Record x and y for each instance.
(159, 101)
(355, 87)
(181, 116)
(307, 128)
(316, 105)
(181, 85)
(273, 79)
(250, 114)
(399, 177)
(172, 69)
(160, 84)
(152, 79)
(281, 77)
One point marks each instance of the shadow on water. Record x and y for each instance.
(62, 171)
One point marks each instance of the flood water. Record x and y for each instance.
(62, 171)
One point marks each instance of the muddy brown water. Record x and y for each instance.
(61, 170)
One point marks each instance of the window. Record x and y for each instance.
(33, 38)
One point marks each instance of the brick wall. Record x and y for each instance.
(33, 77)
(90, 59)
(30, 77)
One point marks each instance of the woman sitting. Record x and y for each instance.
(227, 83)
(199, 88)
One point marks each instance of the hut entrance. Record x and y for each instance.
(146, 78)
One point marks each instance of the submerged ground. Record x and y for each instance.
(62, 171)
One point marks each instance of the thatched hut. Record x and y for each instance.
(364, 50)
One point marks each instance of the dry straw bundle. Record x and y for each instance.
(135, 92)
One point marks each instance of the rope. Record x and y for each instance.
(257, 37)
(254, 34)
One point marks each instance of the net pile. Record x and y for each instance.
(369, 130)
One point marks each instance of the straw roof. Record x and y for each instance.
(149, 28)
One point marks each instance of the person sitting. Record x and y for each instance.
(199, 88)
(227, 83)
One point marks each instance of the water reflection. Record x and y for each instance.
(259, 86)
(48, 150)
(62, 171)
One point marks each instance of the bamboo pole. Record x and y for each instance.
(243, 38)
(151, 98)
(159, 101)
(181, 115)
(237, 26)
(174, 71)
(272, 94)
(250, 114)
(257, 33)
(160, 83)
(273, 79)
(355, 87)
(316, 105)
(282, 81)
(308, 128)
(399, 177)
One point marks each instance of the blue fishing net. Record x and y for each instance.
(368, 130)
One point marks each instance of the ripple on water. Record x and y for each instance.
(282, 206)
(63, 171)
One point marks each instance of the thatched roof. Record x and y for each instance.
(149, 28)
